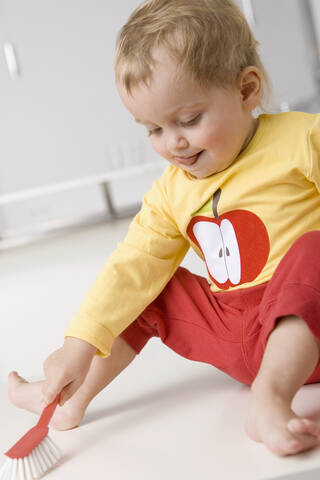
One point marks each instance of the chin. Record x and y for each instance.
(202, 174)
(203, 171)
(207, 175)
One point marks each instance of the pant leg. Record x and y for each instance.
(293, 290)
(198, 324)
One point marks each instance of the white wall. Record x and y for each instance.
(63, 119)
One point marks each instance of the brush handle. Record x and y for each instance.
(35, 435)
(47, 413)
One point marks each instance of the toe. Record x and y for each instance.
(303, 426)
(284, 444)
(295, 425)
(15, 382)
(15, 377)
(311, 427)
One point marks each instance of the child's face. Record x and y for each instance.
(201, 131)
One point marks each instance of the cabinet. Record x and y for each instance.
(62, 119)
(56, 115)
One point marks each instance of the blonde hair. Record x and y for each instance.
(210, 39)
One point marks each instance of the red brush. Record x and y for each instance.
(35, 453)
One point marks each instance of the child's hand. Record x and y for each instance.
(66, 369)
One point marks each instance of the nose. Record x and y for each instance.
(176, 142)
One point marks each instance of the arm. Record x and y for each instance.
(133, 277)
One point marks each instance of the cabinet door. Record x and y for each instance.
(315, 4)
(59, 117)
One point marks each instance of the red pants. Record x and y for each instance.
(230, 329)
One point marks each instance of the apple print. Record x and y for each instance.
(235, 245)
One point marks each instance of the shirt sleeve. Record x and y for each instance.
(314, 153)
(134, 275)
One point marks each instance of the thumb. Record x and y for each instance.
(50, 391)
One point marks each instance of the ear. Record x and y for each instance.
(250, 86)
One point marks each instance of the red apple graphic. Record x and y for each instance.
(235, 245)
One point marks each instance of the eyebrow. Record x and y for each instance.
(174, 112)
(142, 123)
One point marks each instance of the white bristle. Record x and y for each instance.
(48, 451)
(46, 454)
(38, 461)
(42, 462)
(14, 470)
(35, 465)
(5, 470)
(5, 466)
(27, 469)
(20, 469)
(8, 469)
(32, 466)
(45, 459)
(53, 448)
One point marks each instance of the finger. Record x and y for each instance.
(68, 391)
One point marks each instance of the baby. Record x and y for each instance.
(243, 191)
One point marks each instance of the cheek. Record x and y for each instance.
(158, 146)
(213, 138)
(220, 137)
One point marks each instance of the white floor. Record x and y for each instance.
(164, 417)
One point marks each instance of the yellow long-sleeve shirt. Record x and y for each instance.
(241, 221)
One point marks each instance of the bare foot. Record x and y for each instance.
(272, 422)
(28, 396)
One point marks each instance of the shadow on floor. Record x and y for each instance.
(172, 395)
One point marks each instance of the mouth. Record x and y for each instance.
(188, 161)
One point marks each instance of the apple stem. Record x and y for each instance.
(215, 201)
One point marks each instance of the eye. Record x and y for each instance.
(191, 122)
(154, 131)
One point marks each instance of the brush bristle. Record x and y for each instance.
(42, 458)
